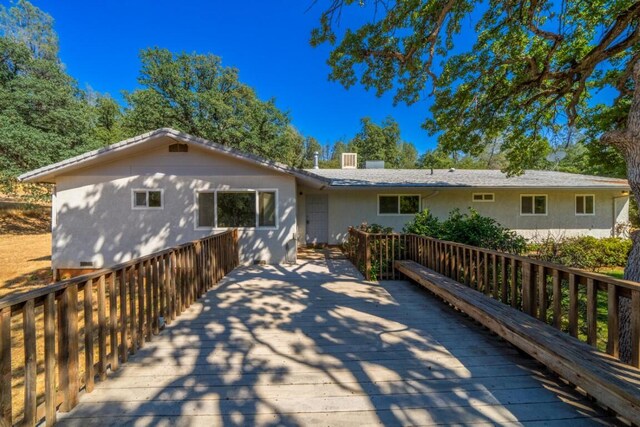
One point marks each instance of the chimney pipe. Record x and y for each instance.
(315, 160)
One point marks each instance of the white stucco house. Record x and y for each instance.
(165, 187)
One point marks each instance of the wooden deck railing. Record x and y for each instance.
(104, 317)
(582, 303)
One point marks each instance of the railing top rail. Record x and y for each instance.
(627, 284)
(20, 299)
(355, 230)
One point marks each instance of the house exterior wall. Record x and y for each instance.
(349, 207)
(94, 220)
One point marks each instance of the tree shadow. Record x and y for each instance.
(313, 343)
(27, 281)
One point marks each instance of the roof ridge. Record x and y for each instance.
(77, 161)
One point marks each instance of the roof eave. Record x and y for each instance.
(47, 174)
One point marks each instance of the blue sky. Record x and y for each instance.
(268, 41)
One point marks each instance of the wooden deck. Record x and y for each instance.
(313, 344)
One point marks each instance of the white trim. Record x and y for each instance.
(575, 210)
(147, 207)
(398, 196)
(493, 197)
(255, 191)
(546, 205)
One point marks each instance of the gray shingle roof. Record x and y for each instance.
(463, 178)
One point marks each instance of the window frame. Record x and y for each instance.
(255, 191)
(146, 191)
(483, 200)
(546, 205)
(576, 205)
(399, 196)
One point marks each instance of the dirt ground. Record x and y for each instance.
(25, 246)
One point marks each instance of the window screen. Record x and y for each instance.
(388, 204)
(533, 205)
(206, 210)
(267, 205)
(585, 205)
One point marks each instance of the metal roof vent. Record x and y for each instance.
(374, 164)
(349, 161)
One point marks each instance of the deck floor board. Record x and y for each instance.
(314, 344)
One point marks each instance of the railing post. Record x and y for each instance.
(592, 313)
(50, 397)
(68, 347)
(102, 328)
(6, 412)
(527, 289)
(88, 336)
(613, 321)
(113, 321)
(367, 258)
(30, 362)
(635, 328)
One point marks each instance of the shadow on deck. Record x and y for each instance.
(315, 344)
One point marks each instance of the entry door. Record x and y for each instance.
(317, 208)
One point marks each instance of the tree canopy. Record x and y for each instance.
(43, 116)
(534, 69)
(195, 93)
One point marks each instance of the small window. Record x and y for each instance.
(483, 197)
(533, 205)
(267, 209)
(398, 205)
(147, 199)
(206, 209)
(585, 204)
(178, 148)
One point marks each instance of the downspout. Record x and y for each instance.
(54, 223)
(613, 212)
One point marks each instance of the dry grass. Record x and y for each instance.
(25, 246)
(25, 264)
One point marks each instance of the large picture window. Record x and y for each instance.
(237, 208)
(398, 204)
(535, 204)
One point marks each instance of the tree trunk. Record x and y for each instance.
(632, 271)
(628, 143)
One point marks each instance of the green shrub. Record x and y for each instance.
(374, 228)
(424, 224)
(468, 228)
(583, 252)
